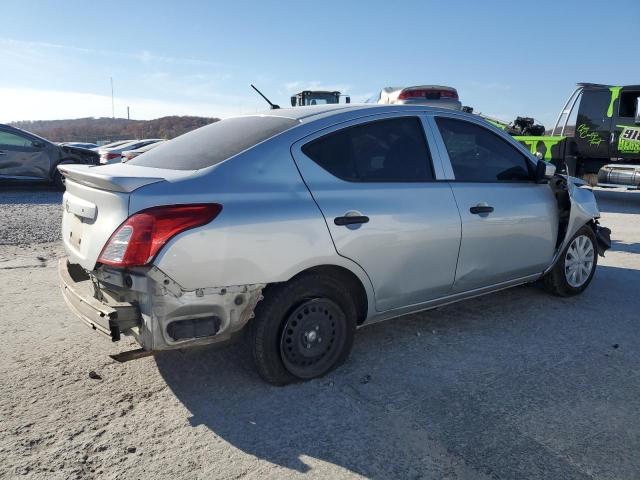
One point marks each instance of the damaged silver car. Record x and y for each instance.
(26, 157)
(301, 225)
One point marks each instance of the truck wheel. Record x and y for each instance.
(303, 329)
(574, 270)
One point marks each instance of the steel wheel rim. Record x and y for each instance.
(312, 337)
(579, 261)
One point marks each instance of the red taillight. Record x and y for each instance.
(428, 93)
(143, 234)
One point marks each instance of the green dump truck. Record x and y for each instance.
(596, 136)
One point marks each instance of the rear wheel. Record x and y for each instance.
(575, 268)
(303, 329)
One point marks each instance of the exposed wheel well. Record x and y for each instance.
(350, 281)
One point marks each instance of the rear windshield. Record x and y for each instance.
(214, 143)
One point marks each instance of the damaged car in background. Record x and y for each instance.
(26, 157)
(301, 225)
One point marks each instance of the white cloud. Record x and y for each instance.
(144, 56)
(34, 104)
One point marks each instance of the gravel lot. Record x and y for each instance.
(517, 384)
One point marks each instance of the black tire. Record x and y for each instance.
(58, 180)
(557, 280)
(326, 302)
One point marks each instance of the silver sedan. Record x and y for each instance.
(304, 224)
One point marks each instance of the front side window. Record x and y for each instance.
(393, 150)
(13, 140)
(478, 155)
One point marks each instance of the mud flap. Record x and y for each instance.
(603, 236)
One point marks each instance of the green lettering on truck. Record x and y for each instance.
(629, 141)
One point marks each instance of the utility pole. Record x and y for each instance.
(128, 117)
(113, 110)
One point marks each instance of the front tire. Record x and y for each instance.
(576, 266)
(303, 329)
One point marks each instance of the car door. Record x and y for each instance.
(593, 126)
(374, 181)
(509, 222)
(22, 157)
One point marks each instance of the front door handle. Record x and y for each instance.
(350, 220)
(479, 209)
(2, 152)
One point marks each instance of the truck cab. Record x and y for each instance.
(596, 136)
(317, 97)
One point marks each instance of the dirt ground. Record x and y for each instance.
(518, 384)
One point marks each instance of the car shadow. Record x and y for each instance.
(440, 391)
(618, 200)
(618, 246)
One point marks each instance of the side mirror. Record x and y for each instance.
(637, 111)
(293, 101)
(347, 99)
(544, 171)
(38, 144)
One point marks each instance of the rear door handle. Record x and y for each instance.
(350, 220)
(2, 152)
(478, 209)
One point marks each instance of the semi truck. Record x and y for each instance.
(596, 136)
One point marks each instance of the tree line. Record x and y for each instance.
(100, 130)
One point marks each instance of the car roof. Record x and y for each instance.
(316, 112)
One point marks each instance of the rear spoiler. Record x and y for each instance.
(88, 175)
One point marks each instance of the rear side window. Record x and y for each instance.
(214, 143)
(393, 150)
(478, 155)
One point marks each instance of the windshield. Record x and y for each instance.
(214, 143)
(321, 99)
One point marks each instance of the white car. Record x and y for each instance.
(430, 95)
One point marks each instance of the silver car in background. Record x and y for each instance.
(304, 224)
(131, 154)
(114, 154)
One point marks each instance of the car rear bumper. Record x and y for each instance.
(108, 317)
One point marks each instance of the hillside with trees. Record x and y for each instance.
(103, 130)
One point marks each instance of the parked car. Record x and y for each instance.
(114, 154)
(431, 95)
(88, 146)
(131, 154)
(25, 156)
(117, 143)
(303, 224)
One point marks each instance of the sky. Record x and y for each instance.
(505, 58)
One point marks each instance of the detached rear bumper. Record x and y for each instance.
(108, 317)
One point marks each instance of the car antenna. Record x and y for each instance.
(272, 105)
